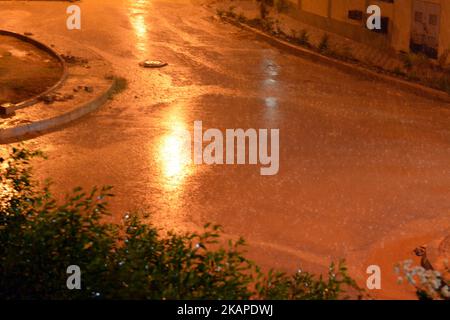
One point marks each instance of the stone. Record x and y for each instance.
(7, 108)
(48, 99)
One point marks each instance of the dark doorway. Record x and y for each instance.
(426, 18)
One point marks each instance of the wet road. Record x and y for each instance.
(364, 167)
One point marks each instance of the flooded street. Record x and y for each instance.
(364, 168)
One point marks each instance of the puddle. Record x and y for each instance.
(19, 53)
(7, 50)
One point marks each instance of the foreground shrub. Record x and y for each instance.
(40, 238)
(429, 284)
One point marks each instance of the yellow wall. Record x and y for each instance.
(444, 39)
(401, 24)
(340, 9)
(403, 20)
(399, 12)
(319, 7)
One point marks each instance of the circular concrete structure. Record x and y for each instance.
(28, 69)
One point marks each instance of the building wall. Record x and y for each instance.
(319, 7)
(340, 9)
(333, 16)
(401, 24)
(404, 18)
(444, 39)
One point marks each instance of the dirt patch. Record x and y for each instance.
(25, 71)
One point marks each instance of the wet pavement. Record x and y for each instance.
(364, 167)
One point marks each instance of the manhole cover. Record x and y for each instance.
(153, 64)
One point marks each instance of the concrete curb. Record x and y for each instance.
(344, 66)
(51, 52)
(21, 132)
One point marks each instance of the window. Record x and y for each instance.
(384, 26)
(418, 16)
(355, 15)
(433, 20)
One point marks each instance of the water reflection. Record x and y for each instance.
(270, 87)
(271, 102)
(174, 152)
(138, 15)
(271, 69)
